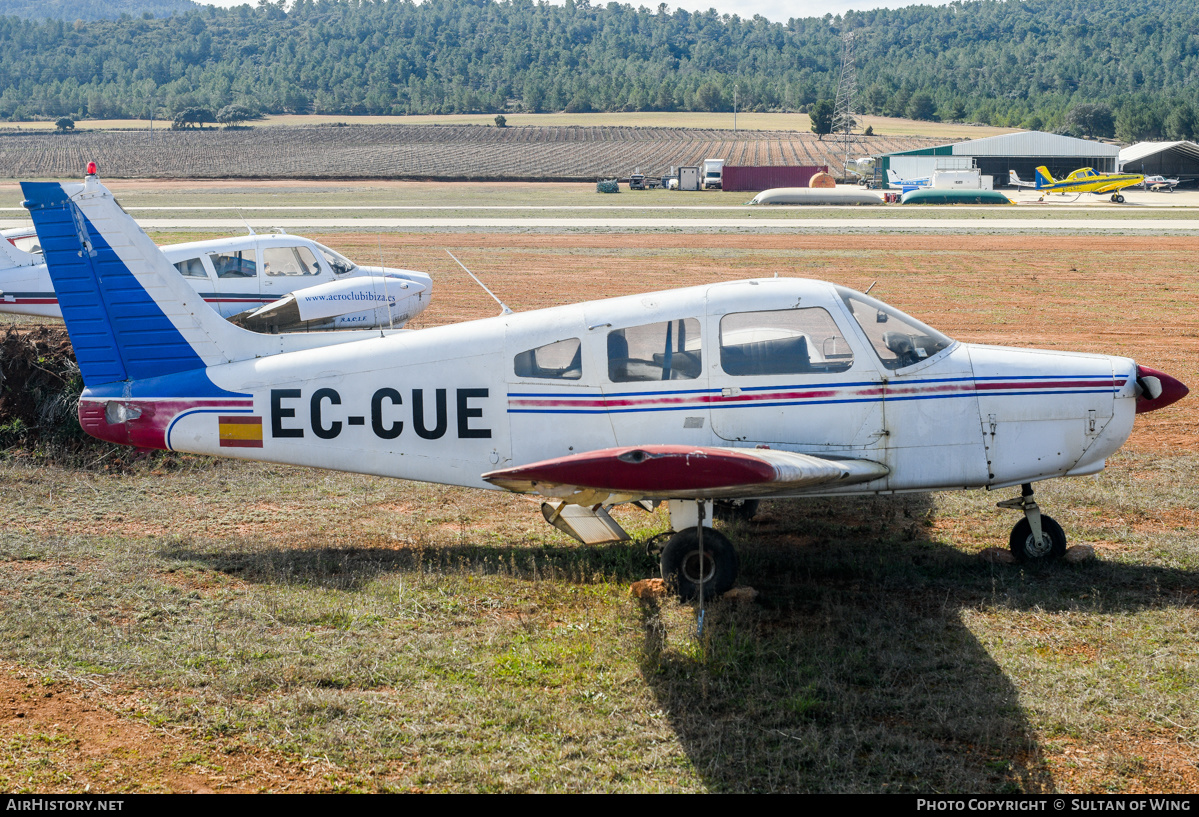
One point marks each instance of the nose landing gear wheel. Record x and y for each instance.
(1026, 549)
(682, 568)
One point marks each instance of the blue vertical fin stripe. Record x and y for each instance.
(75, 283)
(118, 331)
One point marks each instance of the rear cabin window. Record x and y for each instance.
(787, 341)
(192, 268)
(669, 350)
(240, 264)
(289, 261)
(561, 360)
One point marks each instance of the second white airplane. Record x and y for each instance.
(267, 283)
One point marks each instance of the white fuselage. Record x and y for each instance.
(234, 275)
(447, 404)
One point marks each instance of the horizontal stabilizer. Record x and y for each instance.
(680, 472)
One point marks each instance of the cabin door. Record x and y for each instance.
(794, 378)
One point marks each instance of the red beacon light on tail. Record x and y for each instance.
(91, 168)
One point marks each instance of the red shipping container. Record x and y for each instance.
(759, 178)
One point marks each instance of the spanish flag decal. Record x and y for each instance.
(240, 431)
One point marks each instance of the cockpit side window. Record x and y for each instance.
(561, 360)
(308, 260)
(898, 339)
(192, 268)
(278, 261)
(669, 350)
(239, 264)
(786, 341)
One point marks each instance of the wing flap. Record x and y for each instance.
(680, 472)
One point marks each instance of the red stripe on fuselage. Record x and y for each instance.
(856, 392)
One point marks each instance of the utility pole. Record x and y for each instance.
(843, 117)
(734, 107)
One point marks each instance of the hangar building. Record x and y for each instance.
(1178, 160)
(996, 155)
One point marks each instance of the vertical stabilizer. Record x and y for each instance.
(129, 313)
(1044, 177)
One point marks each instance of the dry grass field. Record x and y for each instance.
(883, 125)
(545, 152)
(170, 623)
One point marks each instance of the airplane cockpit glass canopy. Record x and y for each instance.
(340, 264)
(899, 340)
(297, 260)
(787, 341)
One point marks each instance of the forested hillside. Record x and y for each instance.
(72, 10)
(1012, 62)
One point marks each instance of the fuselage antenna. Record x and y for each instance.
(867, 292)
(245, 222)
(503, 306)
(391, 323)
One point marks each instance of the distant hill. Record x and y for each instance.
(1033, 64)
(71, 10)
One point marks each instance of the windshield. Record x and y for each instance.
(340, 264)
(898, 339)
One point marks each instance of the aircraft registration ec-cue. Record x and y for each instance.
(706, 398)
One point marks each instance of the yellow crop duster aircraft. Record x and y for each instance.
(1088, 180)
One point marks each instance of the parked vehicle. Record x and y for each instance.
(713, 174)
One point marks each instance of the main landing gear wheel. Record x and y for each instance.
(1026, 549)
(682, 569)
(1117, 198)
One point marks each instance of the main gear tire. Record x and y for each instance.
(682, 567)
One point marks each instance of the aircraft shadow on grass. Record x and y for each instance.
(853, 670)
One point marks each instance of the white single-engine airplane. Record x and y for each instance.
(716, 393)
(268, 283)
(1160, 184)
